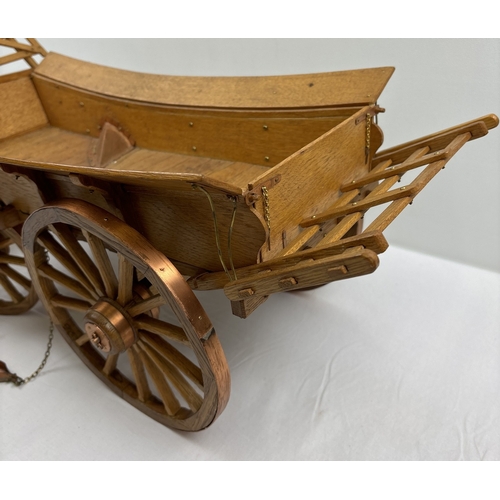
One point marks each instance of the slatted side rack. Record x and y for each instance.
(21, 51)
(326, 249)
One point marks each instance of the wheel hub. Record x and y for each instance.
(109, 327)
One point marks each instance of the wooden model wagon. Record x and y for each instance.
(125, 192)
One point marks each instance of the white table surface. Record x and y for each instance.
(403, 364)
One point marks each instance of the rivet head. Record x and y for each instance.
(87, 131)
(265, 127)
(403, 188)
(313, 217)
(194, 148)
(266, 158)
(354, 204)
(191, 124)
(81, 103)
(353, 182)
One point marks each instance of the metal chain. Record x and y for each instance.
(18, 381)
(367, 136)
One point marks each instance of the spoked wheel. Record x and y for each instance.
(116, 300)
(17, 293)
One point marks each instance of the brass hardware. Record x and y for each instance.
(194, 148)
(367, 136)
(256, 189)
(191, 124)
(81, 103)
(403, 188)
(354, 204)
(265, 127)
(267, 216)
(266, 158)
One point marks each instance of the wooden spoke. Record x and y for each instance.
(126, 280)
(80, 256)
(110, 365)
(12, 259)
(103, 263)
(70, 303)
(82, 339)
(48, 271)
(65, 259)
(192, 398)
(152, 325)
(175, 357)
(186, 386)
(15, 276)
(10, 289)
(21, 300)
(171, 403)
(146, 305)
(141, 381)
(5, 243)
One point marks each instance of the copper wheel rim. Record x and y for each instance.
(177, 374)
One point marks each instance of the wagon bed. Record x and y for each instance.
(131, 190)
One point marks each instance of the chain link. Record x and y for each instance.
(18, 381)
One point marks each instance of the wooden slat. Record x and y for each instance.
(48, 271)
(65, 259)
(299, 241)
(172, 332)
(169, 400)
(15, 276)
(10, 289)
(12, 259)
(340, 230)
(185, 365)
(354, 262)
(37, 46)
(125, 280)
(477, 128)
(14, 57)
(80, 256)
(110, 365)
(103, 263)
(145, 305)
(59, 300)
(410, 163)
(374, 241)
(18, 46)
(141, 380)
(192, 398)
(389, 214)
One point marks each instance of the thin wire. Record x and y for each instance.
(217, 242)
(230, 235)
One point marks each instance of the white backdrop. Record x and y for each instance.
(438, 83)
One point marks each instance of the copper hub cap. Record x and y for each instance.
(109, 327)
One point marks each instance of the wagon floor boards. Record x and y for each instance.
(53, 147)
